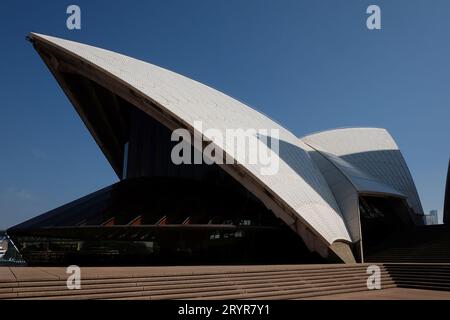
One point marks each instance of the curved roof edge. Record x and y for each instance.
(341, 128)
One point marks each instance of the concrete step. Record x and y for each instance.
(199, 277)
(132, 290)
(294, 293)
(420, 282)
(193, 287)
(190, 283)
(425, 287)
(203, 273)
(205, 282)
(273, 294)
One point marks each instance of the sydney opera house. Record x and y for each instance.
(336, 197)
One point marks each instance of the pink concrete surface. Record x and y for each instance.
(19, 276)
(59, 273)
(388, 294)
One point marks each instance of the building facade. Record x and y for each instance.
(334, 195)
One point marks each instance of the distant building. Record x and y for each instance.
(432, 218)
(3, 247)
(9, 256)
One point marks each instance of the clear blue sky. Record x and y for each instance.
(311, 65)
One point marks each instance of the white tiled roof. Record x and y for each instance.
(298, 183)
(374, 156)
